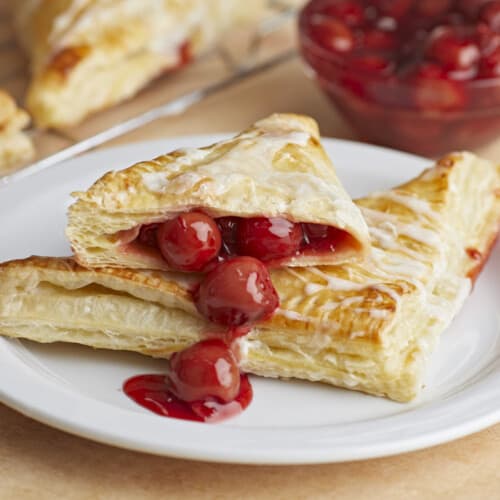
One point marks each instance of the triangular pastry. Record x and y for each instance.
(90, 54)
(368, 326)
(276, 169)
(15, 145)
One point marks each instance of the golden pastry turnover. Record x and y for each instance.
(270, 193)
(369, 326)
(15, 145)
(91, 54)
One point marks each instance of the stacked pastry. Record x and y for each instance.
(88, 55)
(361, 304)
(15, 146)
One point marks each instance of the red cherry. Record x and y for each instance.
(207, 369)
(394, 8)
(371, 63)
(228, 227)
(452, 50)
(237, 292)
(471, 7)
(433, 92)
(490, 14)
(487, 39)
(269, 238)
(490, 65)
(453, 19)
(189, 241)
(147, 234)
(332, 34)
(350, 12)
(433, 8)
(375, 39)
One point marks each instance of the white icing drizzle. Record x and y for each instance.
(251, 154)
(295, 316)
(387, 290)
(296, 274)
(416, 205)
(385, 228)
(338, 284)
(417, 233)
(313, 288)
(379, 313)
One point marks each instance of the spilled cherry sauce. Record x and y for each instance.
(203, 383)
(152, 392)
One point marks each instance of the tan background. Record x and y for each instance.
(37, 462)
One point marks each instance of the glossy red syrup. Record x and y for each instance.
(152, 392)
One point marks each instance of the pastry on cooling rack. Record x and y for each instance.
(15, 146)
(91, 54)
(270, 192)
(368, 326)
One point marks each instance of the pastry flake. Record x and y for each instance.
(369, 326)
(276, 168)
(91, 54)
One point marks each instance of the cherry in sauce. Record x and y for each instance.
(237, 292)
(203, 384)
(268, 238)
(381, 77)
(196, 242)
(189, 241)
(207, 369)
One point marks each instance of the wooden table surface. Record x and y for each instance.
(38, 462)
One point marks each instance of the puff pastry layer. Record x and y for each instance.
(15, 146)
(368, 326)
(276, 168)
(90, 54)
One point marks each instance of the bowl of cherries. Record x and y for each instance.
(417, 75)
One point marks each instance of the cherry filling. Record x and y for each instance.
(237, 292)
(205, 370)
(195, 242)
(268, 238)
(189, 242)
(203, 384)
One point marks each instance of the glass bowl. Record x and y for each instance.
(425, 113)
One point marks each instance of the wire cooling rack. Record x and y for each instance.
(243, 54)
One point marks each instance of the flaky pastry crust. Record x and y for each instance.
(276, 168)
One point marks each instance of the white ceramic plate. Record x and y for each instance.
(79, 390)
